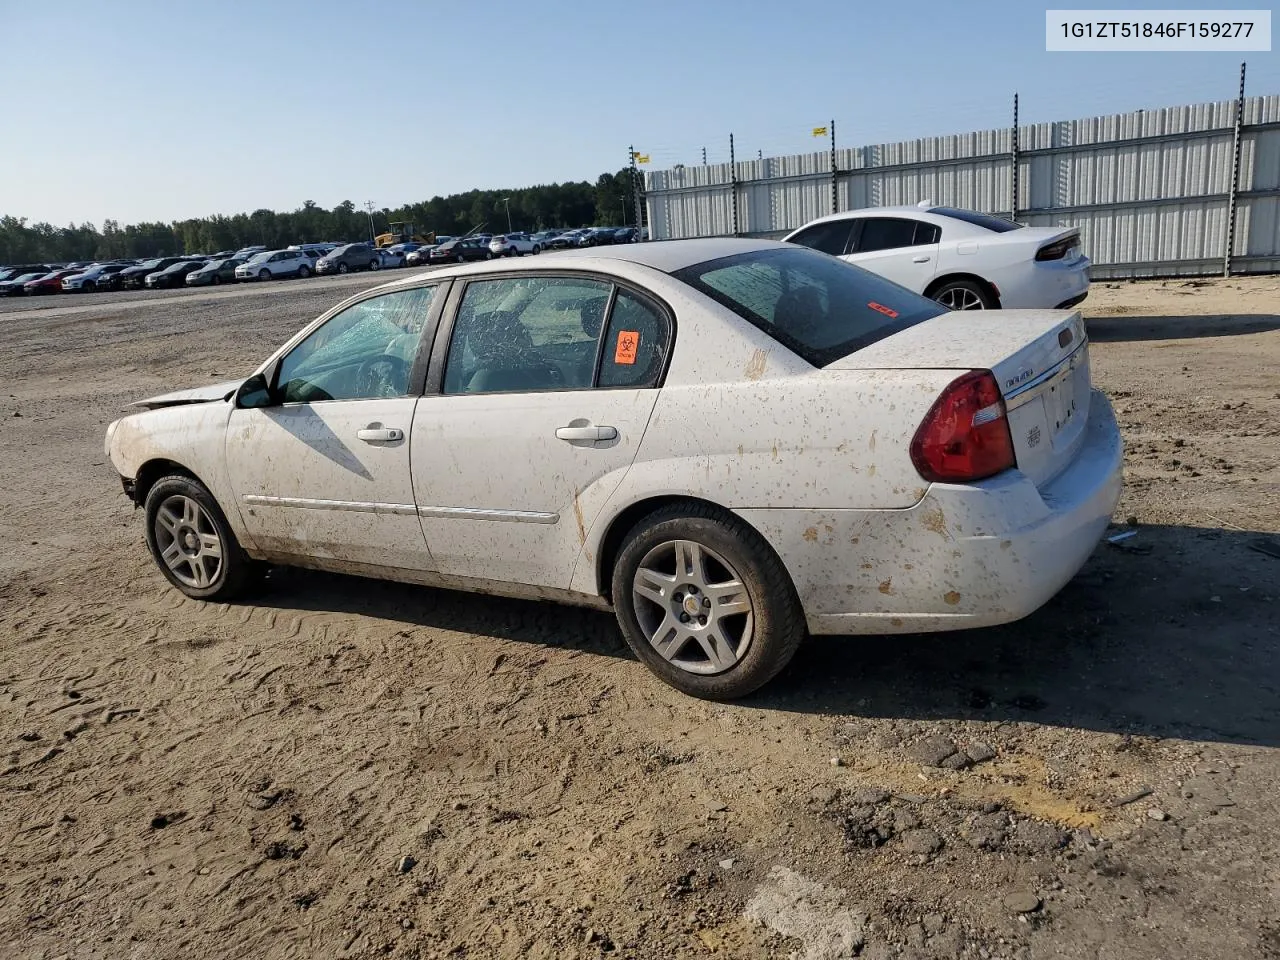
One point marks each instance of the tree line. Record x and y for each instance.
(607, 202)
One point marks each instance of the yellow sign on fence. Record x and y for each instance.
(819, 131)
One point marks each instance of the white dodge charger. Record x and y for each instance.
(727, 442)
(963, 259)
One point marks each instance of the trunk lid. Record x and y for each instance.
(1040, 359)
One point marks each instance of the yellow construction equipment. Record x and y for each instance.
(402, 231)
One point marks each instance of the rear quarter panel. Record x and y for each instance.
(744, 423)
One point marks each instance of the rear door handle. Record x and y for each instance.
(587, 433)
(919, 259)
(372, 434)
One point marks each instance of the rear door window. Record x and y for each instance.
(886, 233)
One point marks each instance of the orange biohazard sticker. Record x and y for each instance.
(628, 344)
(887, 311)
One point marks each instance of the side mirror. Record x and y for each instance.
(254, 393)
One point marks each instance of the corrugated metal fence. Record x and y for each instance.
(1149, 190)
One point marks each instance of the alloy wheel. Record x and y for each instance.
(693, 607)
(960, 298)
(188, 542)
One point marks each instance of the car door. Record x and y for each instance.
(899, 249)
(540, 391)
(324, 470)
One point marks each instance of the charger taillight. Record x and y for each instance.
(1059, 248)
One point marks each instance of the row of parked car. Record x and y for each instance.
(299, 260)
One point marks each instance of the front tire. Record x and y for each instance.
(264, 274)
(192, 543)
(965, 295)
(705, 603)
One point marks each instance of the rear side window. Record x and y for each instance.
(927, 233)
(831, 237)
(886, 233)
(634, 345)
(821, 309)
(997, 224)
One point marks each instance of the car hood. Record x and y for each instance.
(216, 391)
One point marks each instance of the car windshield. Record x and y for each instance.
(151, 264)
(995, 224)
(261, 257)
(819, 307)
(27, 277)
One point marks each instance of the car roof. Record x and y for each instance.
(667, 256)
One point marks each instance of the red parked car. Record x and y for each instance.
(49, 283)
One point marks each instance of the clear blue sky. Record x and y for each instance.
(139, 110)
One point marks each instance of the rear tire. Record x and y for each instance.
(727, 594)
(303, 272)
(536, 249)
(965, 295)
(192, 543)
(374, 264)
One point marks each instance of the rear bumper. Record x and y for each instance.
(1044, 286)
(965, 556)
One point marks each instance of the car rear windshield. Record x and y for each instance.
(996, 224)
(817, 306)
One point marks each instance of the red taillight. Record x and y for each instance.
(965, 435)
(1058, 249)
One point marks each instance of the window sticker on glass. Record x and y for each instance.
(628, 345)
(887, 311)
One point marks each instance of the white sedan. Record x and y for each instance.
(728, 442)
(963, 259)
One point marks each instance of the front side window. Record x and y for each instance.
(831, 237)
(362, 353)
(820, 308)
(526, 334)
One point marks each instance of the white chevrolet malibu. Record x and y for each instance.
(729, 443)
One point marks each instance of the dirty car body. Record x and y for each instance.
(729, 442)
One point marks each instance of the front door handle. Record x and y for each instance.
(587, 433)
(919, 259)
(372, 434)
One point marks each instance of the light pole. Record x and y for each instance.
(368, 205)
(506, 203)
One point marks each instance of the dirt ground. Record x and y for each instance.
(354, 769)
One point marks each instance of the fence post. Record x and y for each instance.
(835, 192)
(635, 193)
(733, 181)
(1235, 180)
(1013, 204)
